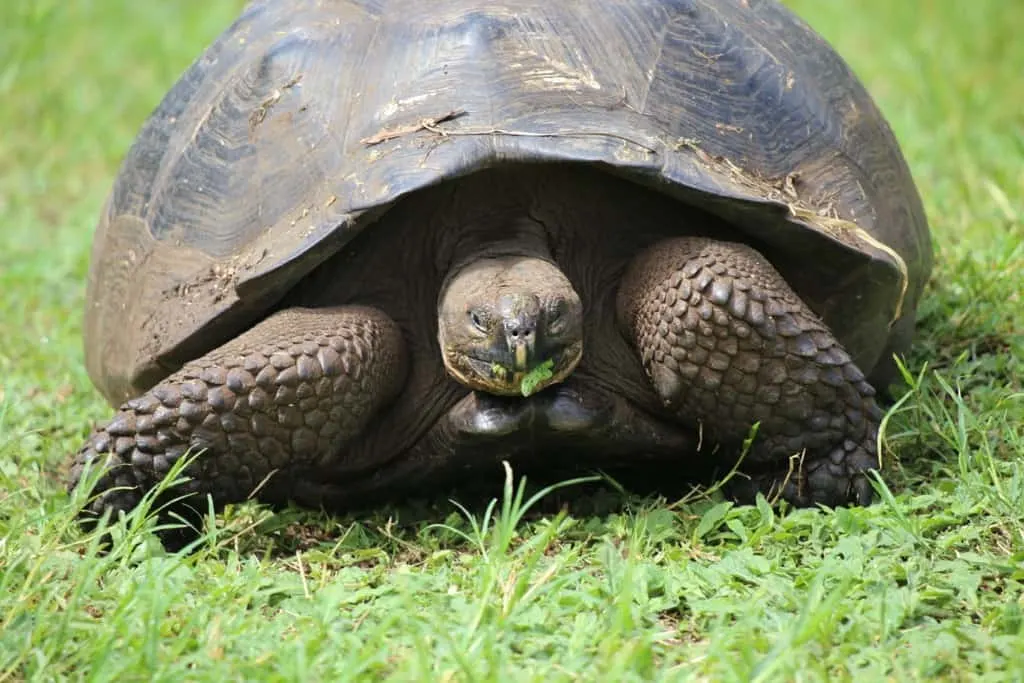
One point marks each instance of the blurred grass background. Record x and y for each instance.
(926, 584)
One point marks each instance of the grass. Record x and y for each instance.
(926, 584)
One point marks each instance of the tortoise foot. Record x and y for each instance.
(290, 392)
(839, 478)
(727, 344)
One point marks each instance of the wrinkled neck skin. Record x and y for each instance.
(509, 321)
(497, 239)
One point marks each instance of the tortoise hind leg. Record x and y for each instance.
(291, 391)
(726, 343)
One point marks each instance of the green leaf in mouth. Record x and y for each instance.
(498, 371)
(535, 377)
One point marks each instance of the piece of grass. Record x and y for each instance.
(534, 378)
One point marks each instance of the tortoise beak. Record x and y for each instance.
(523, 355)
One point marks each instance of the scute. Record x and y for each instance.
(307, 119)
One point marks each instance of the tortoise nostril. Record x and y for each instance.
(521, 327)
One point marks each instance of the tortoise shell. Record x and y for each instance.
(305, 120)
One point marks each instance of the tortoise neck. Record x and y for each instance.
(520, 236)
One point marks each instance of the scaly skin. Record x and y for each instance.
(727, 343)
(292, 391)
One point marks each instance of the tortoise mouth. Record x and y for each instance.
(488, 375)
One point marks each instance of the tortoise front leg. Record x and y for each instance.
(291, 391)
(726, 343)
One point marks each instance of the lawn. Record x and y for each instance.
(928, 583)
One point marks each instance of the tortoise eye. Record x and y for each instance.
(556, 318)
(479, 320)
(555, 322)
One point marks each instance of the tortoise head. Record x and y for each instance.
(510, 325)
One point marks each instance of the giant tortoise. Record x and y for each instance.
(366, 246)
